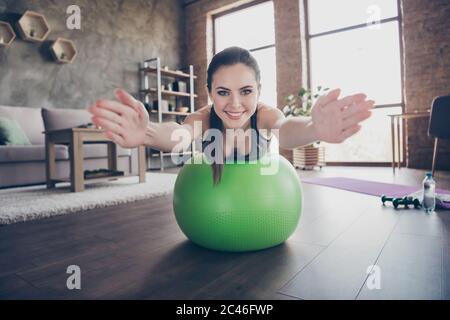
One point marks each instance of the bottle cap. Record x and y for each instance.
(429, 174)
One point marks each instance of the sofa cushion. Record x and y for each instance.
(30, 153)
(56, 119)
(29, 119)
(11, 133)
(37, 152)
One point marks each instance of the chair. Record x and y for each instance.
(439, 125)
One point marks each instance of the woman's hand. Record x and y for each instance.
(334, 120)
(125, 120)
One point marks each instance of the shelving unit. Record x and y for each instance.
(63, 50)
(33, 27)
(7, 34)
(155, 81)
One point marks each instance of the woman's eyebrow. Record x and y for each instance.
(223, 88)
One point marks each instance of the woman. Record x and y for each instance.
(233, 85)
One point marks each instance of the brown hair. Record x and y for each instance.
(227, 57)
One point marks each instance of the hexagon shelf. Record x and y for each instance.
(7, 34)
(33, 26)
(63, 50)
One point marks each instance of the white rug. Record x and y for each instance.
(29, 203)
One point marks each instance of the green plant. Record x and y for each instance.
(305, 98)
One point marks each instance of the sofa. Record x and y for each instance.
(22, 165)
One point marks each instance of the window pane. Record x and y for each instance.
(360, 60)
(371, 144)
(326, 15)
(248, 28)
(267, 64)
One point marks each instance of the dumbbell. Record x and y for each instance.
(410, 200)
(406, 201)
(393, 200)
(414, 201)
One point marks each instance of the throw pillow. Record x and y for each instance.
(11, 133)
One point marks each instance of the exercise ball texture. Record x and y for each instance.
(245, 211)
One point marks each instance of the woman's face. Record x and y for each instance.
(235, 94)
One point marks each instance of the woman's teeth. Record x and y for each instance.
(234, 115)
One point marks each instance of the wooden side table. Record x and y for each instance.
(75, 138)
(395, 127)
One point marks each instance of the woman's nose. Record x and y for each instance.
(235, 99)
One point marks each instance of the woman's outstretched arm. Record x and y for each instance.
(333, 120)
(127, 123)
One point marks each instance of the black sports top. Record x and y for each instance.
(259, 144)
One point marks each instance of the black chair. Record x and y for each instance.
(439, 126)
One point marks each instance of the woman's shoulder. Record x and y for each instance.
(268, 116)
(201, 114)
(205, 110)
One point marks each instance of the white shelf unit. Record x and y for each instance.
(152, 73)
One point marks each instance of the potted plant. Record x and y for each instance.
(312, 155)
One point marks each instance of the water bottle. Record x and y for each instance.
(429, 196)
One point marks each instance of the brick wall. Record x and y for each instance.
(426, 26)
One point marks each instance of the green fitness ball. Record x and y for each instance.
(251, 208)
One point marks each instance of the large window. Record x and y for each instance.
(252, 28)
(354, 45)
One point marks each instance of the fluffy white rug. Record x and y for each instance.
(29, 203)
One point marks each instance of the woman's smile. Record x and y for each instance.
(233, 115)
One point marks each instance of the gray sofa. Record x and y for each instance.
(25, 164)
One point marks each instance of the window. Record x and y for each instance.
(252, 28)
(348, 50)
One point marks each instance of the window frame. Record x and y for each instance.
(238, 8)
(399, 19)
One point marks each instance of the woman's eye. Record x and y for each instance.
(246, 92)
(222, 93)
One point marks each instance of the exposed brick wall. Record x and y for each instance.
(199, 46)
(426, 26)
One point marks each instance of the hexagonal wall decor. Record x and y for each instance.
(63, 50)
(7, 34)
(33, 26)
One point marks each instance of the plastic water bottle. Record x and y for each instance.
(429, 195)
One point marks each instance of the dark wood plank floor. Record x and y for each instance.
(137, 251)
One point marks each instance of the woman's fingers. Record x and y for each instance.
(114, 106)
(345, 102)
(108, 125)
(355, 119)
(331, 96)
(116, 138)
(356, 108)
(349, 132)
(129, 100)
(106, 114)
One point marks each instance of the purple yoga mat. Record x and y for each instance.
(373, 188)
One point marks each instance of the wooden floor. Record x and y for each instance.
(136, 251)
